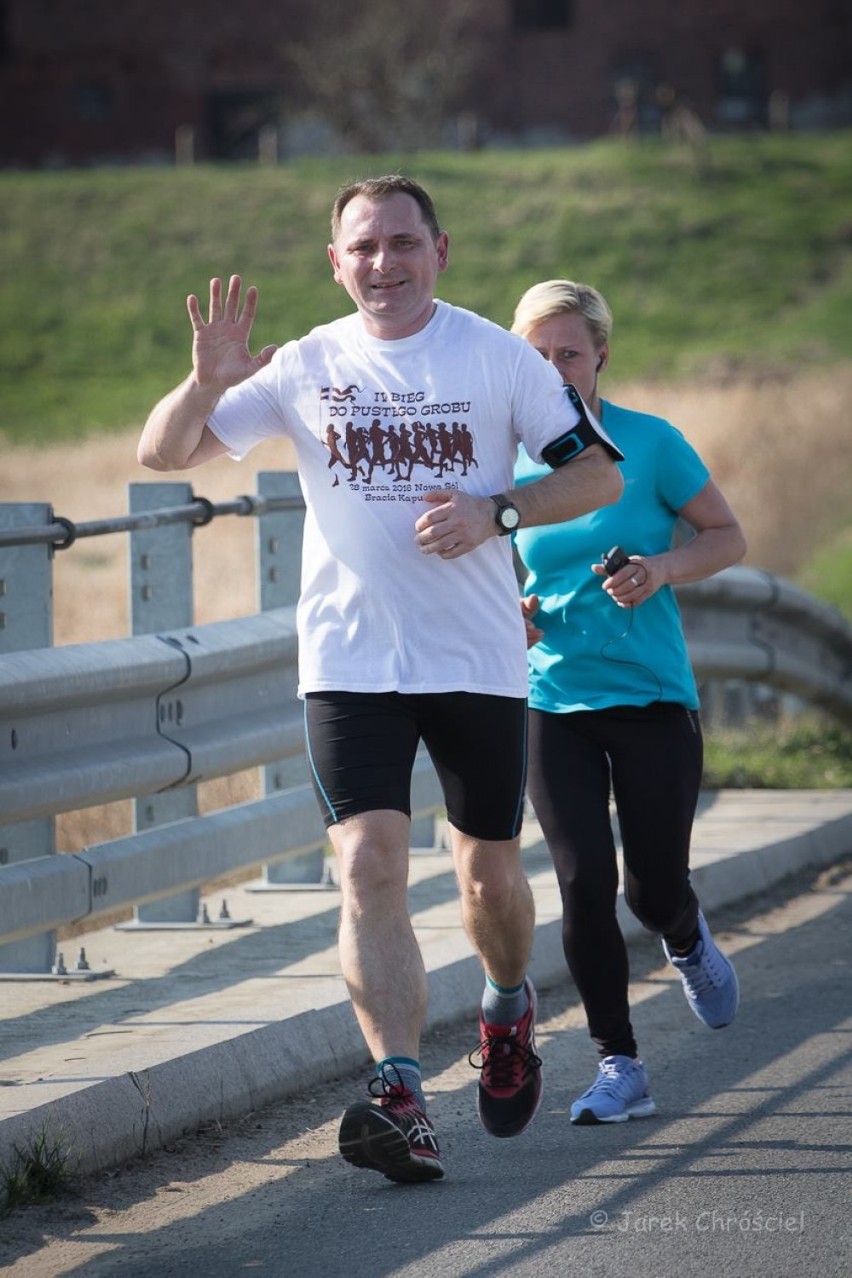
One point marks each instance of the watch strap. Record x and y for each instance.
(502, 502)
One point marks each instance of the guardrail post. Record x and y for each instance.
(26, 621)
(161, 599)
(279, 560)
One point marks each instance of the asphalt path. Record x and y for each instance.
(744, 1171)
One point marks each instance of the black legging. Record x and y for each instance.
(654, 757)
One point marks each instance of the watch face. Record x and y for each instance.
(509, 517)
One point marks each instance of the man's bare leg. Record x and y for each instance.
(499, 916)
(386, 978)
(379, 955)
(498, 910)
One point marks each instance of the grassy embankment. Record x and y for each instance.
(729, 272)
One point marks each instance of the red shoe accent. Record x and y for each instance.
(510, 1079)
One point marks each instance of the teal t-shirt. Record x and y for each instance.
(594, 654)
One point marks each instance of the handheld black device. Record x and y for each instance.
(614, 559)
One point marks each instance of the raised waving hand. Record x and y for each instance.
(220, 344)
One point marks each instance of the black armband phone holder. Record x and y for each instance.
(578, 439)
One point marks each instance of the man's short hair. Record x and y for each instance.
(381, 188)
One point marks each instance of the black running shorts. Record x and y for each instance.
(361, 749)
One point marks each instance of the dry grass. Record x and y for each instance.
(89, 480)
(780, 450)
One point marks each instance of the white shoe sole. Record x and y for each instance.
(638, 1109)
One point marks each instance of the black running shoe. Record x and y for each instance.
(510, 1078)
(394, 1137)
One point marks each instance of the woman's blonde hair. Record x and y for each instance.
(563, 297)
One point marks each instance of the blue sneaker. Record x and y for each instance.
(619, 1092)
(709, 980)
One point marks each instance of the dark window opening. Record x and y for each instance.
(542, 15)
(634, 85)
(741, 87)
(6, 50)
(92, 99)
(236, 119)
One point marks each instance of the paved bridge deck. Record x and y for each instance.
(197, 1025)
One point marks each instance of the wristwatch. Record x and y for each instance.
(508, 517)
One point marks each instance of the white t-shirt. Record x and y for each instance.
(375, 425)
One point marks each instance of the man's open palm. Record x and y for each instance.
(220, 350)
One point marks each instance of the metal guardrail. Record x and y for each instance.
(150, 716)
(746, 623)
(52, 891)
(92, 723)
(60, 533)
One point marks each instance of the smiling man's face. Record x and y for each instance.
(387, 260)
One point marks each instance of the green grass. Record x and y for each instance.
(802, 755)
(739, 256)
(829, 573)
(38, 1173)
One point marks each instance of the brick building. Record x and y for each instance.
(577, 65)
(106, 81)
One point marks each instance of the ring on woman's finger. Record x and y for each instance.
(635, 582)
